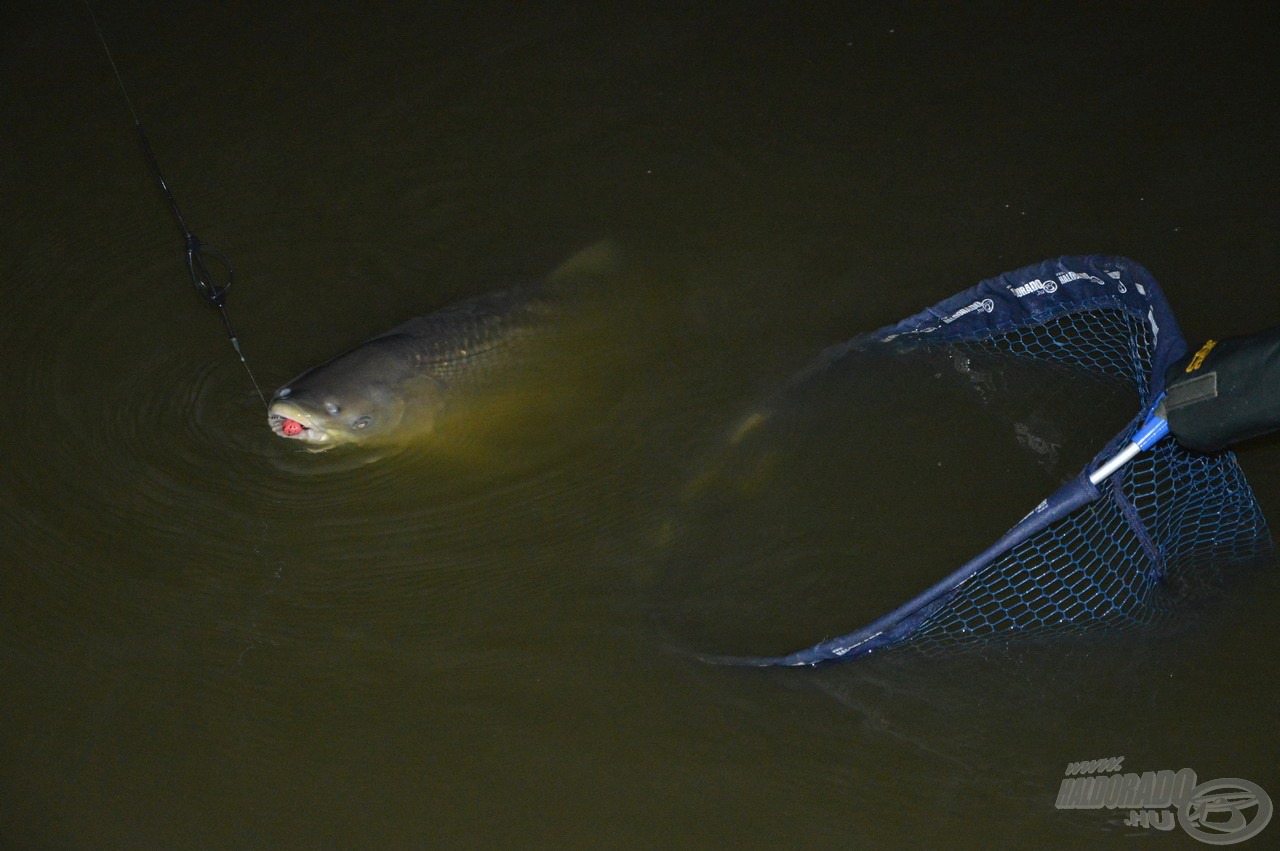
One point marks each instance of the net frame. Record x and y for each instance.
(1117, 553)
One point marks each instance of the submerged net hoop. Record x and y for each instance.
(1101, 552)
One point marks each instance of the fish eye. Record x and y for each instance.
(284, 392)
(361, 422)
(331, 408)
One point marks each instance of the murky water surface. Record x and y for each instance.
(212, 640)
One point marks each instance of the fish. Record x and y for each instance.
(396, 386)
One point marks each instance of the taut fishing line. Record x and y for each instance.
(202, 278)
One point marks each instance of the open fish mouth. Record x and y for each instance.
(286, 427)
(295, 427)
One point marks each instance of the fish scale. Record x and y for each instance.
(453, 341)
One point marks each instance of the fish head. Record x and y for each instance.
(323, 416)
(373, 394)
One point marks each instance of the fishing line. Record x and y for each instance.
(202, 278)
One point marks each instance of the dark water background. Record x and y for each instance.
(209, 640)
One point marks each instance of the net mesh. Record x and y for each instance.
(1123, 553)
(1107, 342)
(1194, 514)
(1128, 556)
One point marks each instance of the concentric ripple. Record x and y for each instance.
(151, 483)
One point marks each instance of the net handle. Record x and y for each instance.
(1148, 435)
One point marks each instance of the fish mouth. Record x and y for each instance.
(293, 423)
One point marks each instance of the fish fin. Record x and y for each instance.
(594, 261)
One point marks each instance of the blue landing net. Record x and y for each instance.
(1089, 555)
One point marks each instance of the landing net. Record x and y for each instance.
(1090, 555)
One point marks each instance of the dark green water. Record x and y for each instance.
(210, 640)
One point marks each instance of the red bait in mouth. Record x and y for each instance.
(292, 427)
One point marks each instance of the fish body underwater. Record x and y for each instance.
(395, 387)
